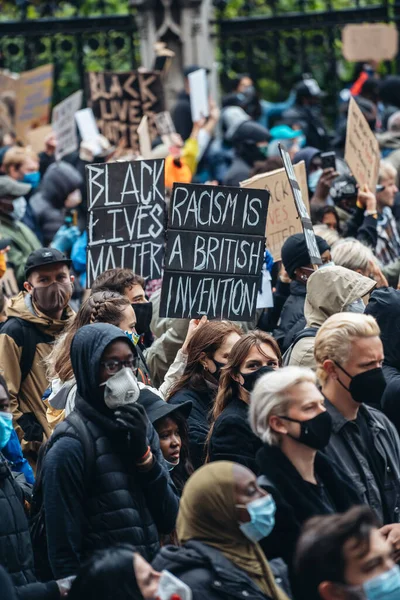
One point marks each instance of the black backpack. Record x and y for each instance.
(305, 333)
(37, 523)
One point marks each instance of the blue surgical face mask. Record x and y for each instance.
(6, 428)
(32, 178)
(19, 209)
(357, 306)
(313, 179)
(384, 587)
(171, 466)
(327, 264)
(262, 518)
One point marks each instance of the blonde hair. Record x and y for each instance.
(15, 157)
(352, 254)
(386, 171)
(271, 396)
(336, 335)
(329, 235)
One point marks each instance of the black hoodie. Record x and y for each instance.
(119, 504)
(384, 306)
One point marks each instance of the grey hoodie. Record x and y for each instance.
(329, 291)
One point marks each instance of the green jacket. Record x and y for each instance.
(23, 242)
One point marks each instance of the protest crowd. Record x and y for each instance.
(199, 362)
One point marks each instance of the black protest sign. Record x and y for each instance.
(308, 230)
(126, 217)
(120, 100)
(214, 254)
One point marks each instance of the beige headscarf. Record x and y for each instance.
(207, 513)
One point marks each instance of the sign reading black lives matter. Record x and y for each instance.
(120, 100)
(126, 217)
(215, 250)
(308, 230)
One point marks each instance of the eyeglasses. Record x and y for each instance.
(113, 366)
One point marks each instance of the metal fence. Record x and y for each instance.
(75, 35)
(279, 40)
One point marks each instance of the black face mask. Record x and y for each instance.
(367, 385)
(144, 313)
(314, 433)
(218, 366)
(251, 378)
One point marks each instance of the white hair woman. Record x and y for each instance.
(287, 413)
(353, 255)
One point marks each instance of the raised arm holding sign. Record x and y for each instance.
(214, 252)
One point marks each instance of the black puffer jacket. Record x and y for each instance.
(232, 438)
(119, 504)
(198, 421)
(384, 306)
(210, 575)
(292, 316)
(16, 554)
(47, 205)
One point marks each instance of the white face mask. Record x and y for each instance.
(122, 388)
(169, 586)
(19, 209)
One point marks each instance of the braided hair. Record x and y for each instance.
(100, 307)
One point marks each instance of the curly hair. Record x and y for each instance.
(100, 307)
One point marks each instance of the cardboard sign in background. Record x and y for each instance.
(64, 126)
(283, 219)
(126, 217)
(370, 41)
(362, 152)
(214, 254)
(34, 90)
(120, 100)
(35, 137)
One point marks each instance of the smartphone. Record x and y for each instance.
(328, 160)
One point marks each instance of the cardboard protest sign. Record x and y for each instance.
(282, 219)
(63, 123)
(166, 128)
(214, 254)
(88, 129)
(370, 41)
(9, 283)
(126, 214)
(34, 91)
(36, 137)
(144, 138)
(198, 95)
(120, 100)
(308, 230)
(362, 152)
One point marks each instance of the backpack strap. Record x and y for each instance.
(32, 336)
(308, 332)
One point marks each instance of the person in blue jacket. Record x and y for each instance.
(10, 446)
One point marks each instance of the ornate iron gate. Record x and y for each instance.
(74, 35)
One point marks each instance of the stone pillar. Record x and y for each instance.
(184, 26)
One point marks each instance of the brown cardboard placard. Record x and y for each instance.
(34, 90)
(282, 218)
(362, 152)
(9, 283)
(370, 41)
(35, 137)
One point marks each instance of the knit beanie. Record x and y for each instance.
(295, 254)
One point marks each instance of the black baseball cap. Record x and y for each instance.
(44, 257)
(309, 88)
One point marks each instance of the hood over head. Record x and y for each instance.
(250, 132)
(59, 181)
(87, 348)
(384, 306)
(330, 290)
(307, 154)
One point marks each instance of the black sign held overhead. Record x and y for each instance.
(126, 217)
(120, 100)
(215, 250)
(308, 230)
